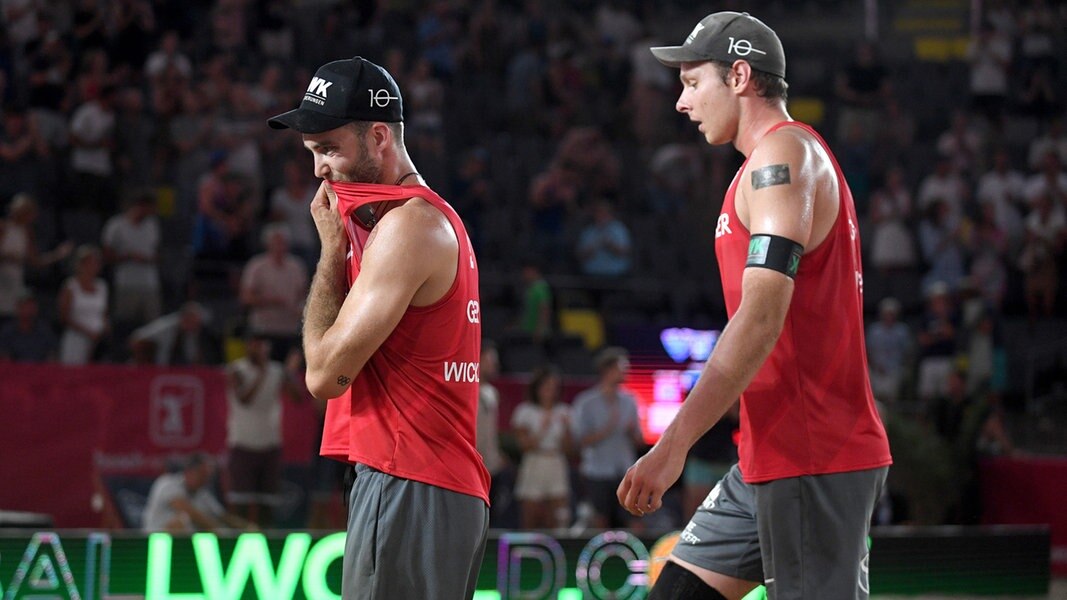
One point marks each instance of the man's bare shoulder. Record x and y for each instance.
(796, 147)
(419, 226)
(792, 143)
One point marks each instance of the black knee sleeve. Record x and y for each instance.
(678, 583)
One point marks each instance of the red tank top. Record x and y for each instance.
(411, 412)
(809, 410)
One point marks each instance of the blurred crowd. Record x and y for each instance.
(149, 215)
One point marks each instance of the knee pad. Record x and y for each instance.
(678, 583)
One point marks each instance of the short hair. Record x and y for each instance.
(362, 127)
(272, 228)
(609, 357)
(540, 375)
(197, 459)
(768, 86)
(85, 251)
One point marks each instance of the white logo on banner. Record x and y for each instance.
(176, 411)
(742, 47)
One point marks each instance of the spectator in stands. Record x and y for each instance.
(537, 316)
(21, 150)
(944, 184)
(167, 56)
(1038, 97)
(137, 159)
(473, 196)
(93, 75)
(132, 26)
(605, 427)
(674, 171)
(83, 302)
(273, 287)
(177, 338)
(892, 245)
(862, 87)
(1003, 187)
(238, 131)
(947, 410)
(990, 55)
(131, 246)
(1053, 140)
(554, 196)
(92, 137)
(18, 249)
(604, 247)
(27, 338)
(48, 87)
(938, 341)
(585, 150)
(989, 245)
(961, 144)
(488, 436)
(941, 242)
(90, 26)
(183, 503)
(889, 345)
(1050, 181)
(895, 137)
(254, 388)
(225, 212)
(981, 347)
(289, 205)
(542, 425)
(1046, 234)
(1039, 22)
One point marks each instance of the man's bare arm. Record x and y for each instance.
(779, 201)
(405, 249)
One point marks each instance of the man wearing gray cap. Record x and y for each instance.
(392, 337)
(794, 513)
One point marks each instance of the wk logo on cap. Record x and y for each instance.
(742, 47)
(316, 91)
(380, 98)
(692, 36)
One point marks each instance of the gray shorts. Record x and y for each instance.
(803, 537)
(411, 540)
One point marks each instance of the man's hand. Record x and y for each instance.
(327, 219)
(642, 488)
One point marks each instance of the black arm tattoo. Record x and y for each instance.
(770, 175)
(342, 380)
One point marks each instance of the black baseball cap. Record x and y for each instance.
(728, 36)
(343, 91)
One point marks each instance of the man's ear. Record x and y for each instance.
(382, 136)
(740, 74)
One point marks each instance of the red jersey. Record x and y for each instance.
(411, 411)
(809, 410)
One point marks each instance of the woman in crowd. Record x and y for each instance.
(541, 424)
(83, 308)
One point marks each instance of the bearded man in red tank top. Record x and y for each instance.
(392, 335)
(794, 513)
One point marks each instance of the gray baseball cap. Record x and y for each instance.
(728, 36)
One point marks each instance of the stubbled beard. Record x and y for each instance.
(366, 170)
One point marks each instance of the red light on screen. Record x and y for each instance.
(660, 388)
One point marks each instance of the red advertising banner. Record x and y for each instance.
(1028, 490)
(65, 432)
